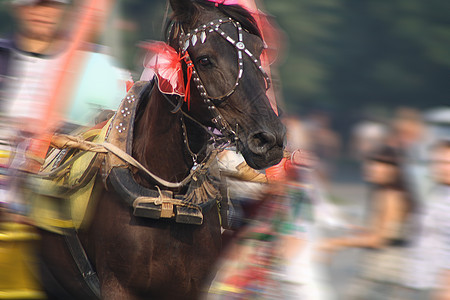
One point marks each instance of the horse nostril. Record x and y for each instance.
(260, 142)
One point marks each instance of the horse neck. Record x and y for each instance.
(158, 141)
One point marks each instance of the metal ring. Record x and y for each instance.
(240, 45)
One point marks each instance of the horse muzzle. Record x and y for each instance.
(264, 148)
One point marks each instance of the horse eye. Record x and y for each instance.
(204, 61)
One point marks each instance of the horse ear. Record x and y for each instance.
(180, 7)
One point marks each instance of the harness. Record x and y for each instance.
(109, 149)
(160, 204)
(117, 164)
(69, 175)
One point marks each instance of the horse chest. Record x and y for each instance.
(155, 256)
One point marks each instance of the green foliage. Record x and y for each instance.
(351, 53)
(308, 26)
(148, 18)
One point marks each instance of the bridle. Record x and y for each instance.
(199, 35)
(190, 40)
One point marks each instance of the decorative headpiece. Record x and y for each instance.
(165, 62)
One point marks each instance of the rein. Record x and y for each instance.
(133, 162)
(110, 148)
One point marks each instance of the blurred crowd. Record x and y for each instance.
(284, 251)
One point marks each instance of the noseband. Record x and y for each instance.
(187, 40)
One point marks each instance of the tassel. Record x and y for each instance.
(190, 68)
(201, 191)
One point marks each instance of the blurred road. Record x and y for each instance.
(349, 192)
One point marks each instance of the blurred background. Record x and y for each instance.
(349, 58)
(353, 72)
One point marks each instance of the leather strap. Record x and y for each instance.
(79, 256)
(132, 161)
(122, 182)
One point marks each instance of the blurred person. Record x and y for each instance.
(367, 135)
(428, 271)
(391, 210)
(325, 143)
(34, 60)
(25, 64)
(47, 53)
(297, 136)
(408, 129)
(295, 187)
(306, 212)
(408, 133)
(264, 261)
(35, 54)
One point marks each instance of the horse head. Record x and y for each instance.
(221, 46)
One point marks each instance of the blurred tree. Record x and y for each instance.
(309, 26)
(141, 20)
(391, 52)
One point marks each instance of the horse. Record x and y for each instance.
(135, 257)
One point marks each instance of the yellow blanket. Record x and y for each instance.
(55, 203)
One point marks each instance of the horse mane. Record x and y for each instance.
(189, 18)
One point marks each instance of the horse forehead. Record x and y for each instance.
(207, 16)
(253, 42)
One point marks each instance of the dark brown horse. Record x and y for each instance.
(142, 258)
